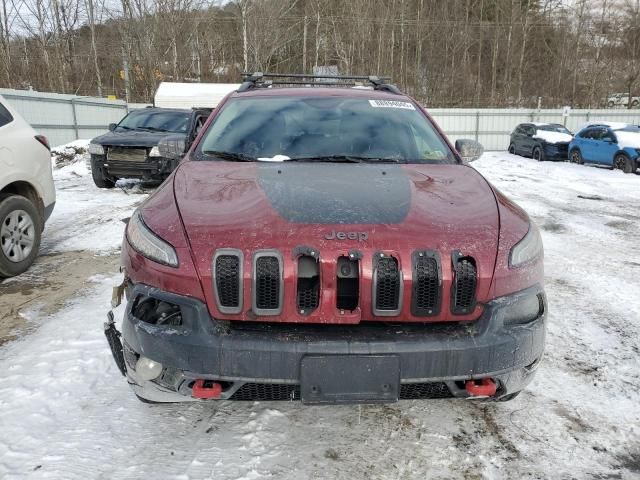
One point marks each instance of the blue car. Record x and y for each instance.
(616, 146)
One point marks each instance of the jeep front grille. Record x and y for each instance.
(308, 294)
(227, 279)
(268, 287)
(464, 284)
(425, 295)
(387, 286)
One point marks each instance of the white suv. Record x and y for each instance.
(27, 193)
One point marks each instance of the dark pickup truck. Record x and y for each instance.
(130, 149)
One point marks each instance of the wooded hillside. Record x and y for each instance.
(445, 53)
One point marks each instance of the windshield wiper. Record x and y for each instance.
(153, 129)
(230, 156)
(344, 159)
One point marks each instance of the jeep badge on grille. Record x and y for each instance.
(360, 236)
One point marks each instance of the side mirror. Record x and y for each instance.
(112, 126)
(469, 150)
(173, 147)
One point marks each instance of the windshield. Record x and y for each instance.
(553, 128)
(155, 121)
(323, 129)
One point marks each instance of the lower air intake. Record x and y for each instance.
(387, 286)
(267, 392)
(417, 391)
(464, 286)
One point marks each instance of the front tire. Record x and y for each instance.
(99, 177)
(576, 157)
(512, 149)
(20, 234)
(624, 163)
(537, 154)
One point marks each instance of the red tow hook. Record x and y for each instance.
(205, 389)
(481, 388)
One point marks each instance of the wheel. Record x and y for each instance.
(576, 157)
(512, 149)
(611, 104)
(99, 178)
(635, 103)
(537, 154)
(624, 163)
(20, 234)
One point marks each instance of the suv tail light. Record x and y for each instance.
(43, 140)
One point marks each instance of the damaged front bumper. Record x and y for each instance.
(203, 358)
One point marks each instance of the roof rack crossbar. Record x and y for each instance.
(261, 79)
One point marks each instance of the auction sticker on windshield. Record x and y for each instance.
(392, 104)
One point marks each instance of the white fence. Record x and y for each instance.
(63, 118)
(492, 127)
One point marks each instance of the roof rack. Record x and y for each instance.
(265, 80)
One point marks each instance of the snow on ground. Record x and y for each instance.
(85, 218)
(66, 412)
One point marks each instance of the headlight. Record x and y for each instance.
(154, 152)
(95, 149)
(527, 249)
(147, 243)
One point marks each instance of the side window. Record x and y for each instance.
(199, 123)
(588, 134)
(519, 130)
(608, 135)
(529, 130)
(5, 116)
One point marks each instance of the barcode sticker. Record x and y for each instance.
(392, 104)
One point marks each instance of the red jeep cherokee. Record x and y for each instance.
(328, 244)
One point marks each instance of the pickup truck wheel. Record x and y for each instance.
(512, 149)
(624, 163)
(99, 178)
(576, 157)
(538, 154)
(20, 234)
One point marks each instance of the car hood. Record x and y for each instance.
(338, 208)
(553, 137)
(628, 139)
(132, 138)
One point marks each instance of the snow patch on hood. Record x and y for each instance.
(552, 137)
(628, 139)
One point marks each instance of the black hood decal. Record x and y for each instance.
(332, 193)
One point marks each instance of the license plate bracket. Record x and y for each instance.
(338, 379)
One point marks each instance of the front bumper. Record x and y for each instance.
(151, 168)
(432, 358)
(556, 151)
